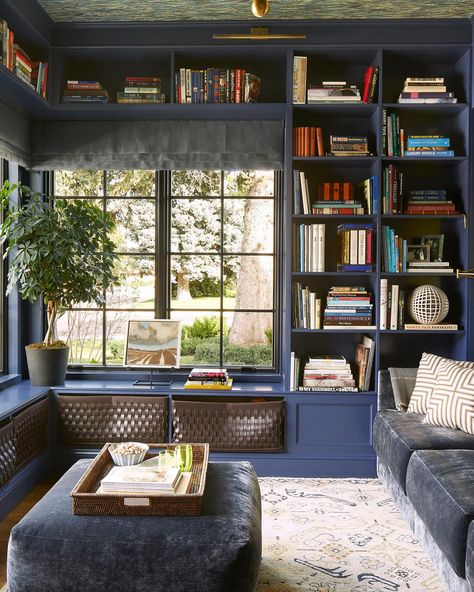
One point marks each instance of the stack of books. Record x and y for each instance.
(348, 145)
(209, 379)
(354, 243)
(22, 65)
(364, 359)
(428, 146)
(430, 202)
(309, 252)
(425, 90)
(216, 85)
(308, 141)
(141, 90)
(349, 306)
(328, 373)
(306, 308)
(85, 91)
(334, 92)
(392, 197)
(337, 198)
(141, 478)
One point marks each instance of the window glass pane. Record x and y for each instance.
(248, 282)
(248, 225)
(131, 183)
(135, 224)
(257, 183)
(116, 333)
(195, 225)
(82, 330)
(74, 183)
(195, 281)
(136, 288)
(200, 337)
(195, 183)
(248, 342)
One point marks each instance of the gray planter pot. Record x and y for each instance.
(47, 367)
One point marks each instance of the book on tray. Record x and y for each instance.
(138, 478)
(141, 90)
(348, 307)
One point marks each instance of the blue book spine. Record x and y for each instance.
(387, 249)
(393, 268)
(404, 256)
(420, 142)
(354, 267)
(195, 86)
(375, 195)
(430, 153)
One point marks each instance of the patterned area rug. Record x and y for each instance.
(338, 535)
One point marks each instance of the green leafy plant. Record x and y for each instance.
(57, 251)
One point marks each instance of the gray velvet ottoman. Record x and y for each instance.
(51, 550)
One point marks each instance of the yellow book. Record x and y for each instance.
(208, 386)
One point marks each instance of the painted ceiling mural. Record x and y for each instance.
(173, 10)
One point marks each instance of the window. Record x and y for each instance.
(192, 245)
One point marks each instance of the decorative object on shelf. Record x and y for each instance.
(428, 305)
(260, 8)
(35, 227)
(465, 273)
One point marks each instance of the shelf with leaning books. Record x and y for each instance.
(333, 74)
(16, 93)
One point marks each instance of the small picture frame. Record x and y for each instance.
(154, 343)
(436, 245)
(418, 253)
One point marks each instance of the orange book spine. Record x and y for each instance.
(336, 190)
(346, 191)
(307, 142)
(319, 137)
(312, 148)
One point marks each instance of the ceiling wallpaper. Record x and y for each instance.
(172, 10)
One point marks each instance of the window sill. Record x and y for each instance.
(9, 380)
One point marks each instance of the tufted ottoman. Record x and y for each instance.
(51, 550)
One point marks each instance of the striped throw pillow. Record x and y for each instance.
(426, 379)
(452, 400)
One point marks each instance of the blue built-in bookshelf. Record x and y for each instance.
(324, 433)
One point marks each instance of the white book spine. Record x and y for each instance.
(292, 371)
(353, 247)
(362, 246)
(321, 247)
(189, 94)
(304, 193)
(314, 247)
(299, 79)
(383, 303)
(394, 308)
(182, 82)
(312, 310)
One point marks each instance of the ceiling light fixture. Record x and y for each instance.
(260, 8)
(258, 33)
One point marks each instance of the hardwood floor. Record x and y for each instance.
(15, 516)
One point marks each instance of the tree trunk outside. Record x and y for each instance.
(183, 293)
(255, 280)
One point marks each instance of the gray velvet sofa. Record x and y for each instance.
(429, 471)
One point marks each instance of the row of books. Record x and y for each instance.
(330, 91)
(393, 312)
(419, 255)
(85, 91)
(355, 247)
(309, 252)
(348, 307)
(216, 85)
(33, 73)
(333, 373)
(335, 197)
(209, 379)
(308, 141)
(426, 90)
(306, 307)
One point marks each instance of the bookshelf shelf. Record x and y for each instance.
(344, 161)
(417, 274)
(440, 109)
(444, 218)
(332, 217)
(460, 332)
(357, 274)
(17, 94)
(348, 330)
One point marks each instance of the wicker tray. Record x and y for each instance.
(87, 502)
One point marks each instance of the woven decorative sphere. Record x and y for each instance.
(428, 305)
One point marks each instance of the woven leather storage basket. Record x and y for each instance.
(93, 420)
(7, 452)
(243, 424)
(31, 431)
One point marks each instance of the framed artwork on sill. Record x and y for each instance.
(154, 343)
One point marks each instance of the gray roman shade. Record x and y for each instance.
(182, 144)
(14, 136)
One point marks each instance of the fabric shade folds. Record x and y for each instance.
(171, 144)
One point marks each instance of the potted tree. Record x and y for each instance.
(60, 252)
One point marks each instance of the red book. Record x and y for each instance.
(367, 82)
(346, 191)
(368, 247)
(238, 91)
(319, 137)
(336, 191)
(306, 141)
(312, 143)
(44, 81)
(11, 38)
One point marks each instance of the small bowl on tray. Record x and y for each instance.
(127, 454)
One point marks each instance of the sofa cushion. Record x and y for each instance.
(426, 379)
(403, 383)
(397, 435)
(439, 486)
(470, 556)
(452, 400)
